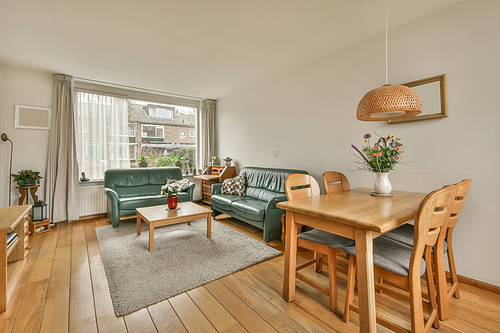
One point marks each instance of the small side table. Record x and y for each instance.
(36, 224)
(24, 193)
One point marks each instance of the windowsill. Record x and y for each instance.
(91, 183)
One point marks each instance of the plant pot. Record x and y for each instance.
(228, 163)
(172, 202)
(382, 183)
(28, 183)
(143, 165)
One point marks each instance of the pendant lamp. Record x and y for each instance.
(388, 102)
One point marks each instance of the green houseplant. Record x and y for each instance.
(27, 177)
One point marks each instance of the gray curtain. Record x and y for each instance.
(206, 142)
(61, 182)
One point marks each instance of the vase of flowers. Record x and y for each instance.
(228, 161)
(381, 158)
(171, 190)
(27, 178)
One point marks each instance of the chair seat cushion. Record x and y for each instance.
(406, 234)
(224, 201)
(249, 208)
(136, 202)
(391, 255)
(326, 238)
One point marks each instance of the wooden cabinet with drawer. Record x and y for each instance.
(213, 175)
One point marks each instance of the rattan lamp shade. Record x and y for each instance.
(388, 103)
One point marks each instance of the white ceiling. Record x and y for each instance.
(202, 48)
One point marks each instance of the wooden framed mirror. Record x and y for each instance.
(433, 92)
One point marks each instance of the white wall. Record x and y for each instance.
(30, 146)
(309, 116)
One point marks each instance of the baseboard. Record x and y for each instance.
(476, 283)
(90, 217)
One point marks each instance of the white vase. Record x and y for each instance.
(382, 183)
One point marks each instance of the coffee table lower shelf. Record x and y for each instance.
(157, 216)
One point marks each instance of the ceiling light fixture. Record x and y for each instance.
(388, 102)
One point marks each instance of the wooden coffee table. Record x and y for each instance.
(157, 216)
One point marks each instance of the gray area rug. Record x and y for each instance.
(183, 259)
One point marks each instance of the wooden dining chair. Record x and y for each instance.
(299, 186)
(405, 235)
(334, 181)
(404, 265)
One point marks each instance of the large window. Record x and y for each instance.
(103, 135)
(113, 130)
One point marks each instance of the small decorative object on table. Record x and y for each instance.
(171, 189)
(228, 161)
(214, 160)
(380, 159)
(27, 177)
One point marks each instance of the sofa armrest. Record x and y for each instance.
(114, 214)
(274, 201)
(216, 188)
(272, 220)
(190, 191)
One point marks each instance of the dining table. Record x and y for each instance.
(355, 214)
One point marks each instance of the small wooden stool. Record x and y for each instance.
(36, 224)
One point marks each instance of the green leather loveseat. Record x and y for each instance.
(264, 188)
(128, 189)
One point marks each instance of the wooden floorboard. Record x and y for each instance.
(63, 288)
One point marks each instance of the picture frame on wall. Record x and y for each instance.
(32, 117)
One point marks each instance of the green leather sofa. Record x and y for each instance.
(265, 187)
(128, 189)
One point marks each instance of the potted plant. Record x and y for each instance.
(142, 161)
(214, 160)
(27, 177)
(172, 190)
(228, 161)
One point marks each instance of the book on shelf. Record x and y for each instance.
(11, 238)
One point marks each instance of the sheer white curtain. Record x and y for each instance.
(61, 181)
(206, 139)
(102, 125)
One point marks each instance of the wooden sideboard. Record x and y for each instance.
(212, 175)
(12, 259)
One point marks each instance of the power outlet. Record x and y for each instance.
(275, 153)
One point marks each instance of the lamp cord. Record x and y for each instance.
(10, 171)
(386, 43)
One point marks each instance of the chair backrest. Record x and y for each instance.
(299, 186)
(334, 181)
(458, 203)
(432, 213)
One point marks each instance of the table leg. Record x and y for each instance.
(209, 225)
(290, 257)
(24, 194)
(366, 280)
(138, 224)
(151, 237)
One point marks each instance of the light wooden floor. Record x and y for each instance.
(64, 288)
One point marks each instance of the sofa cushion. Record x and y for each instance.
(268, 178)
(234, 185)
(249, 208)
(224, 201)
(136, 202)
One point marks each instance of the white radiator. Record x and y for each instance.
(92, 200)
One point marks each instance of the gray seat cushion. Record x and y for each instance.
(249, 208)
(406, 234)
(326, 238)
(391, 255)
